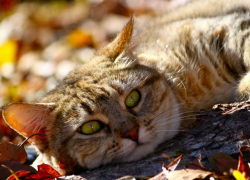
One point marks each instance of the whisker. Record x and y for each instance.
(179, 114)
(168, 110)
(181, 130)
(171, 117)
(178, 105)
(170, 122)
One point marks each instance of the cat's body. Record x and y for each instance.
(136, 91)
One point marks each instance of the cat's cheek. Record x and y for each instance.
(145, 135)
(92, 156)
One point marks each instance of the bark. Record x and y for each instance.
(218, 130)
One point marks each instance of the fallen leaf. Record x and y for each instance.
(222, 162)
(8, 52)
(243, 168)
(7, 5)
(238, 175)
(7, 150)
(11, 171)
(79, 38)
(45, 171)
(48, 170)
(23, 175)
(188, 174)
(14, 166)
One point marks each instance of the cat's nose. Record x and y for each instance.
(133, 134)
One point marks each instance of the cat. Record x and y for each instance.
(138, 91)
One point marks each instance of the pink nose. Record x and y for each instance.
(132, 134)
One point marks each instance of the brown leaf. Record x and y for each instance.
(222, 162)
(7, 149)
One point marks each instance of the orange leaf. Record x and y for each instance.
(79, 39)
(243, 168)
(48, 170)
(45, 171)
(23, 174)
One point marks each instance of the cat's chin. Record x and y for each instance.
(139, 151)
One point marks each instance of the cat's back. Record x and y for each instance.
(203, 9)
(198, 47)
(195, 9)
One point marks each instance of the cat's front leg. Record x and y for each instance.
(244, 88)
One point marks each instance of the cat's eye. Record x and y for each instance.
(133, 99)
(91, 127)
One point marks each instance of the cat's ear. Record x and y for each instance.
(28, 119)
(114, 49)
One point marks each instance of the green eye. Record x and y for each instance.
(133, 99)
(91, 127)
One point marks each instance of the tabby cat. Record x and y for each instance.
(135, 93)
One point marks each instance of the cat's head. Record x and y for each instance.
(111, 109)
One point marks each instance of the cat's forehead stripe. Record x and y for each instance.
(87, 108)
(90, 95)
(118, 89)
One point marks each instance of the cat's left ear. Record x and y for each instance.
(28, 119)
(114, 49)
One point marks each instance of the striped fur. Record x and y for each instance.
(190, 59)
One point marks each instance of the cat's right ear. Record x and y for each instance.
(118, 45)
(28, 119)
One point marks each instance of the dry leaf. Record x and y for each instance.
(188, 174)
(44, 172)
(243, 168)
(14, 166)
(79, 38)
(222, 162)
(8, 52)
(7, 149)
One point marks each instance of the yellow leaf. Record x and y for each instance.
(238, 175)
(8, 52)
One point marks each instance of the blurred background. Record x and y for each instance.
(42, 40)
